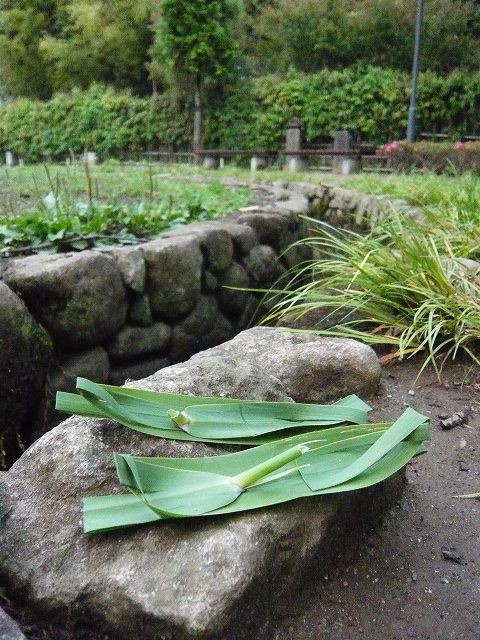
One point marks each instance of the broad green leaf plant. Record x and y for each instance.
(303, 450)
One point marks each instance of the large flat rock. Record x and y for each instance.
(313, 369)
(199, 579)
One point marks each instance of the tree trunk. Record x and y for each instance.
(197, 121)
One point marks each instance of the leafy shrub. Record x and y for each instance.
(369, 100)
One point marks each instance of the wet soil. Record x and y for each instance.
(416, 574)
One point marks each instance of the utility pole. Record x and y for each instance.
(412, 111)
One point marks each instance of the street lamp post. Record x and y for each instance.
(412, 111)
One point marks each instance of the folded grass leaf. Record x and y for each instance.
(330, 461)
(206, 419)
(184, 492)
(317, 478)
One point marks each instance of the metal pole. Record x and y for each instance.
(412, 111)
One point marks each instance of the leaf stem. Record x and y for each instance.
(178, 417)
(250, 476)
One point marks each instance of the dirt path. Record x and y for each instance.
(400, 585)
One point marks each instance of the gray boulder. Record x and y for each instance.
(211, 578)
(93, 364)
(263, 266)
(131, 263)
(217, 246)
(25, 352)
(62, 375)
(140, 313)
(9, 629)
(271, 228)
(313, 369)
(209, 282)
(123, 371)
(132, 342)
(79, 298)
(204, 327)
(242, 236)
(233, 301)
(174, 274)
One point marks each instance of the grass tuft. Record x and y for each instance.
(406, 285)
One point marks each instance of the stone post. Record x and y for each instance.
(10, 159)
(91, 158)
(344, 164)
(257, 162)
(210, 162)
(293, 144)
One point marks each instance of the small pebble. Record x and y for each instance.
(450, 553)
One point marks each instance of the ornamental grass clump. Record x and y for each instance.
(399, 286)
(315, 459)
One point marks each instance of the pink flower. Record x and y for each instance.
(391, 146)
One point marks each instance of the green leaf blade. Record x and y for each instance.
(401, 429)
(215, 419)
(338, 448)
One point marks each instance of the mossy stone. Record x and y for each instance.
(79, 298)
(25, 353)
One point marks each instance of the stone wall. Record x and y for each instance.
(124, 313)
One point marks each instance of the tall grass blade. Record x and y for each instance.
(407, 283)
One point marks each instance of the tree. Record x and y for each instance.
(313, 34)
(383, 34)
(49, 45)
(307, 35)
(101, 41)
(23, 23)
(194, 51)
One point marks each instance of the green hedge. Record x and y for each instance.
(100, 119)
(371, 100)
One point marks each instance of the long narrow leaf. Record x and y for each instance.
(147, 412)
(318, 479)
(348, 458)
(237, 420)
